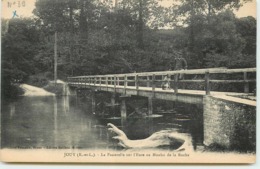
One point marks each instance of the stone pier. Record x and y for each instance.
(229, 124)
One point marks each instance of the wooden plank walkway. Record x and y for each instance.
(189, 96)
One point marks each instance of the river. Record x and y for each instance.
(68, 122)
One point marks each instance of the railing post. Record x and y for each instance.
(246, 84)
(148, 81)
(114, 83)
(135, 80)
(176, 76)
(153, 85)
(95, 81)
(125, 83)
(106, 81)
(100, 82)
(207, 83)
(81, 81)
(136, 83)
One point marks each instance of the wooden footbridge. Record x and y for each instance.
(219, 107)
(148, 84)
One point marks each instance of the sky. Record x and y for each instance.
(249, 9)
(24, 8)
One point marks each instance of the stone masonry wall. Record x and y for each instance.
(229, 124)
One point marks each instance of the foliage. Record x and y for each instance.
(214, 35)
(57, 89)
(96, 37)
(19, 45)
(38, 80)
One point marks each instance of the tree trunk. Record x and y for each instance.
(209, 11)
(192, 39)
(71, 35)
(140, 25)
(83, 24)
(116, 5)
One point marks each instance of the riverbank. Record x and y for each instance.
(51, 89)
(59, 88)
(30, 90)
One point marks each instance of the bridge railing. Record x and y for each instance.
(154, 80)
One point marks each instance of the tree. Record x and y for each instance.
(20, 43)
(147, 14)
(227, 45)
(54, 15)
(246, 27)
(202, 20)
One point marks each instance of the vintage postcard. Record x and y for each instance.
(128, 81)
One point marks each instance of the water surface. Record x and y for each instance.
(68, 122)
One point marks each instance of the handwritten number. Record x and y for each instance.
(19, 4)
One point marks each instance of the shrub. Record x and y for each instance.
(38, 80)
(57, 89)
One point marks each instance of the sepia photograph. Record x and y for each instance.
(128, 81)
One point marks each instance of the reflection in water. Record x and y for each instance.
(68, 122)
(66, 102)
(12, 109)
(55, 113)
(123, 123)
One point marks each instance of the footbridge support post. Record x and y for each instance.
(150, 106)
(113, 101)
(71, 91)
(93, 101)
(123, 109)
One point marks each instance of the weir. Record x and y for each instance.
(221, 110)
